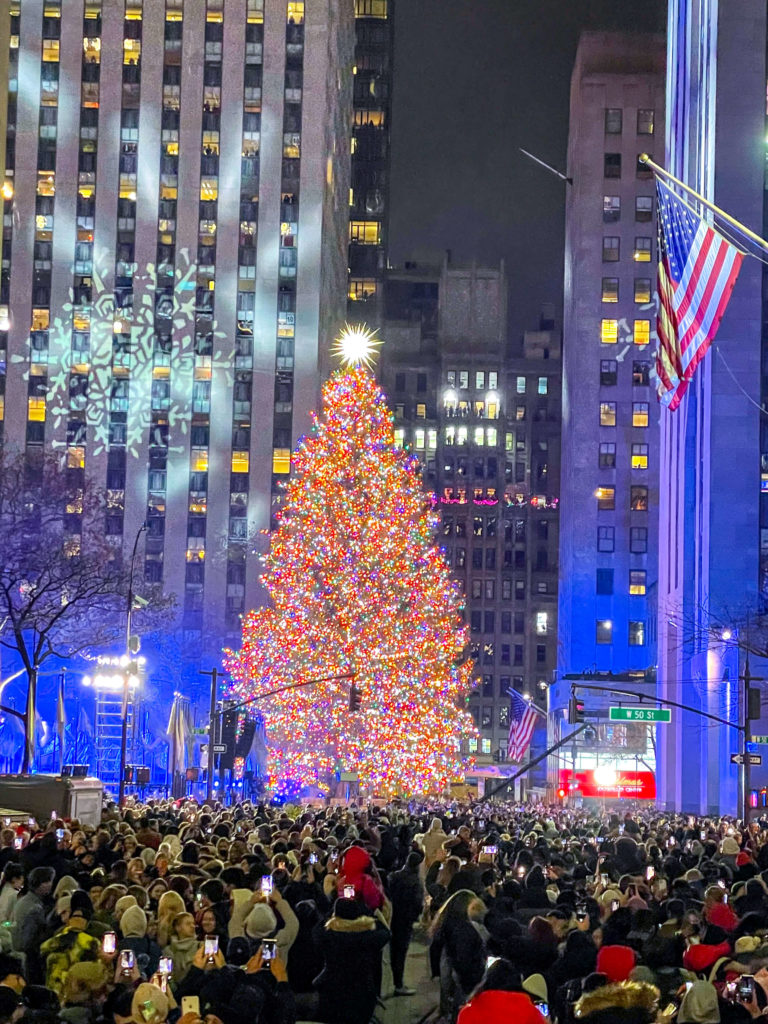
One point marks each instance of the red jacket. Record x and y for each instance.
(493, 1007)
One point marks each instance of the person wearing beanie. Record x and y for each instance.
(133, 926)
(262, 923)
(150, 1005)
(70, 944)
(616, 962)
(84, 987)
(699, 1005)
(502, 996)
(182, 944)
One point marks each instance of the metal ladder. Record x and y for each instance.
(109, 725)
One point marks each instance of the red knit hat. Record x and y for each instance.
(742, 859)
(699, 958)
(616, 962)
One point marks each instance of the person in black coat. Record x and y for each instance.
(406, 893)
(351, 943)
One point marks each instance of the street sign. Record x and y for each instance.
(219, 748)
(640, 715)
(755, 759)
(760, 739)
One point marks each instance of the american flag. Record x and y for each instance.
(522, 721)
(697, 271)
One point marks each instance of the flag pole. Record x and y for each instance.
(645, 159)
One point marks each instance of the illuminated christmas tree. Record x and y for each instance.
(357, 586)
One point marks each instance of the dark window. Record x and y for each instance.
(638, 540)
(611, 249)
(613, 120)
(643, 209)
(607, 455)
(612, 165)
(609, 372)
(636, 634)
(644, 172)
(611, 209)
(604, 581)
(606, 538)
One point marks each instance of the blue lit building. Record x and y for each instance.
(610, 464)
(713, 539)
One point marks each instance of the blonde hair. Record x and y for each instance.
(169, 906)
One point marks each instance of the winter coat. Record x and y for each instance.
(407, 896)
(349, 981)
(29, 927)
(183, 953)
(305, 960)
(630, 1002)
(68, 946)
(433, 842)
(146, 951)
(8, 899)
(493, 1007)
(461, 943)
(355, 866)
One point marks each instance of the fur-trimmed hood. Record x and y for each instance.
(629, 1002)
(360, 924)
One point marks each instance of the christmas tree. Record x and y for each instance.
(357, 586)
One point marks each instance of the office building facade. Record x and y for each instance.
(610, 459)
(482, 415)
(713, 523)
(370, 145)
(175, 265)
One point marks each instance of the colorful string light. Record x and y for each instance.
(357, 584)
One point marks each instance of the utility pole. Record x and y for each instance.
(127, 670)
(751, 703)
(214, 674)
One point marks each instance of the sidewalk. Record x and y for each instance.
(410, 1009)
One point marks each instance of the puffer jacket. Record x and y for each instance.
(491, 1007)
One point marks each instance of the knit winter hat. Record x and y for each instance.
(747, 944)
(536, 986)
(699, 1005)
(729, 847)
(742, 859)
(150, 1004)
(63, 903)
(260, 922)
(698, 958)
(65, 886)
(133, 923)
(616, 962)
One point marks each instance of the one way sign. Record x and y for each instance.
(750, 758)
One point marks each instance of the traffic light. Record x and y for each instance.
(355, 698)
(575, 711)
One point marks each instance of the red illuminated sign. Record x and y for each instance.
(634, 785)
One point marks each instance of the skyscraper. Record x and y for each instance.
(482, 415)
(610, 463)
(713, 517)
(175, 264)
(369, 194)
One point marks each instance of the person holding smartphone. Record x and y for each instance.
(500, 996)
(272, 917)
(70, 944)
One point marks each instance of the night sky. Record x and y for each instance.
(474, 80)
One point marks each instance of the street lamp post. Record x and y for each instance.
(129, 612)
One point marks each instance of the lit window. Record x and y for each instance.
(295, 12)
(638, 498)
(645, 119)
(519, 413)
(133, 12)
(639, 456)
(461, 436)
(485, 744)
(209, 189)
(421, 411)
(543, 385)
(520, 385)
(36, 409)
(450, 435)
(431, 439)
(40, 319)
(292, 145)
(641, 334)
(609, 331)
(639, 414)
(604, 631)
(2, 408)
(281, 460)
(493, 379)
(240, 462)
(365, 232)
(491, 437)
(606, 499)
(479, 379)
(637, 584)
(400, 437)
(370, 8)
(479, 436)
(509, 442)
(610, 291)
(131, 51)
(46, 183)
(636, 634)
(419, 439)
(361, 289)
(472, 744)
(541, 622)
(50, 50)
(92, 50)
(607, 414)
(76, 457)
(199, 460)
(642, 290)
(642, 251)
(255, 12)
(463, 379)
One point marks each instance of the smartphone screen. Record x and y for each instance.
(313, 858)
(543, 1009)
(702, 835)
(266, 885)
(614, 905)
(650, 873)
(721, 882)
(109, 942)
(127, 961)
(17, 843)
(211, 946)
(166, 965)
(491, 850)
(349, 892)
(603, 880)
(268, 950)
(59, 834)
(746, 988)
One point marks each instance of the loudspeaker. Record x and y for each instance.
(128, 777)
(246, 738)
(228, 730)
(79, 771)
(67, 770)
(142, 776)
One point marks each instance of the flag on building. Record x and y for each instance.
(697, 271)
(522, 722)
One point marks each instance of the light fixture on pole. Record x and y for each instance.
(131, 648)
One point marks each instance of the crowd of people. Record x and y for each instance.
(256, 914)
